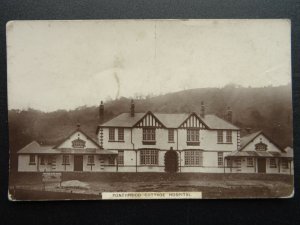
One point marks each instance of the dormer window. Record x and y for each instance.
(261, 147)
(78, 143)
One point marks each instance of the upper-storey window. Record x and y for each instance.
(121, 134)
(149, 134)
(229, 136)
(111, 135)
(171, 135)
(220, 136)
(261, 147)
(192, 137)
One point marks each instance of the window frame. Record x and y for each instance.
(228, 136)
(66, 160)
(238, 163)
(193, 158)
(220, 158)
(171, 135)
(250, 162)
(111, 134)
(32, 160)
(220, 136)
(120, 159)
(149, 157)
(272, 163)
(121, 134)
(91, 160)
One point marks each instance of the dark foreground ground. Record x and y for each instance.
(28, 186)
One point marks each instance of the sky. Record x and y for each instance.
(66, 64)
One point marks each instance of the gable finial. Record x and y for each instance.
(202, 111)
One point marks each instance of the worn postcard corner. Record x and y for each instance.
(150, 109)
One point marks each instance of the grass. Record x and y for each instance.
(211, 185)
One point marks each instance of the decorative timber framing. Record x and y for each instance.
(149, 120)
(193, 121)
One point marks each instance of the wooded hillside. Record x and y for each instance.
(267, 109)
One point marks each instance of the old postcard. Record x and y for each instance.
(150, 109)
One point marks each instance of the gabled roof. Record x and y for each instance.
(245, 141)
(77, 130)
(34, 148)
(150, 113)
(169, 120)
(257, 154)
(215, 122)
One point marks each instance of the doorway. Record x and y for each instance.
(171, 161)
(261, 165)
(78, 163)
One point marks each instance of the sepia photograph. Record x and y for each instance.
(150, 109)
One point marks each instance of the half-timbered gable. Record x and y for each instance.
(193, 121)
(149, 120)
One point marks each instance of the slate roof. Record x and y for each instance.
(257, 154)
(169, 120)
(245, 140)
(34, 148)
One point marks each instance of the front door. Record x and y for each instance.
(261, 165)
(78, 162)
(171, 161)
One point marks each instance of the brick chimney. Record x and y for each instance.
(101, 112)
(132, 108)
(202, 110)
(229, 115)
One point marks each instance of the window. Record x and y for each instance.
(66, 160)
(238, 163)
(121, 134)
(284, 164)
(149, 157)
(261, 147)
(229, 136)
(42, 160)
(121, 157)
(220, 136)
(111, 160)
(193, 158)
(91, 160)
(171, 135)
(250, 162)
(220, 159)
(111, 134)
(148, 134)
(192, 135)
(273, 163)
(32, 159)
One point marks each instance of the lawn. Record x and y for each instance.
(211, 185)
